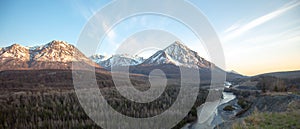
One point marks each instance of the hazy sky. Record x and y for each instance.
(258, 36)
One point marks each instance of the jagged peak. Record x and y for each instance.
(178, 43)
(179, 54)
(97, 56)
(232, 71)
(125, 55)
(119, 59)
(15, 45)
(58, 43)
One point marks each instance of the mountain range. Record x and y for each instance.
(117, 60)
(177, 54)
(59, 55)
(53, 55)
(62, 53)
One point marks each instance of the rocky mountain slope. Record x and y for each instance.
(117, 60)
(179, 55)
(54, 55)
(14, 56)
(98, 58)
(168, 60)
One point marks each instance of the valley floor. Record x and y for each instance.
(46, 99)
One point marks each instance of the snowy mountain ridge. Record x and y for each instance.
(179, 55)
(61, 52)
(116, 60)
(56, 52)
(15, 51)
(176, 53)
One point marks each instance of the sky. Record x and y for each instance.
(257, 36)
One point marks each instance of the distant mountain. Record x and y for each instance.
(232, 75)
(97, 58)
(54, 55)
(233, 72)
(284, 74)
(117, 60)
(178, 54)
(170, 59)
(275, 81)
(15, 51)
(14, 56)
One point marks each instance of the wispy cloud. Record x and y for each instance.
(233, 27)
(238, 29)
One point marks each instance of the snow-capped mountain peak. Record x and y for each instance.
(178, 54)
(55, 51)
(117, 60)
(15, 51)
(176, 44)
(97, 58)
(56, 54)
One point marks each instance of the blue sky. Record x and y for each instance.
(257, 35)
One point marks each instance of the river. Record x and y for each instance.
(215, 117)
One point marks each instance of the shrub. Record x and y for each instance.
(243, 103)
(228, 108)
